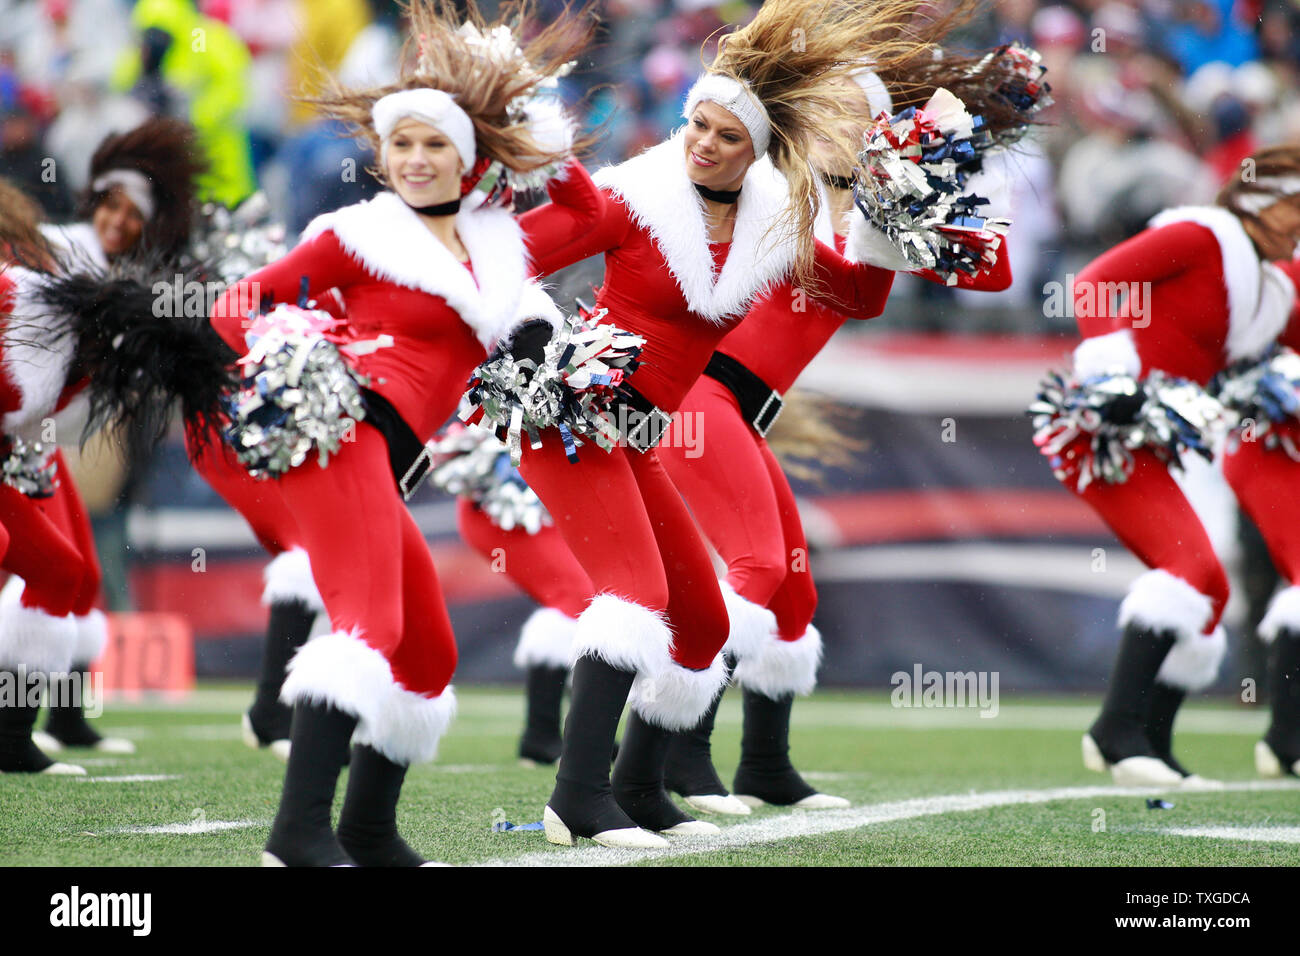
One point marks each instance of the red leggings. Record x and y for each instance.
(1150, 514)
(627, 526)
(541, 565)
(743, 502)
(68, 513)
(48, 560)
(258, 502)
(370, 561)
(1266, 483)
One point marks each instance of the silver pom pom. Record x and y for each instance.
(29, 467)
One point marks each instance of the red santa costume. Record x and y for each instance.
(658, 613)
(384, 670)
(742, 501)
(1199, 299)
(38, 635)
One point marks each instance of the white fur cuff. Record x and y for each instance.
(1283, 615)
(676, 698)
(31, 638)
(92, 635)
(622, 634)
(1193, 664)
(288, 578)
(1107, 354)
(868, 244)
(752, 625)
(1162, 602)
(546, 639)
(409, 726)
(784, 667)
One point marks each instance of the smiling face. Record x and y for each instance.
(118, 222)
(718, 148)
(422, 165)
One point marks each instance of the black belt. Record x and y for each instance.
(640, 422)
(410, 458)
(759, 403)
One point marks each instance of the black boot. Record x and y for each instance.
(287, 629)
(765, 771)
(541, 740)
(1283, 735)
(19, 705)
(639, 780)
(1120, 730)
(1164, 704)
(689, 770)
(368, 824)
(301, 834)
(583, 802)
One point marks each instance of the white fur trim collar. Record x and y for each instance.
(388, 238)
(1258, 306)
(662, 200)
(36, 362)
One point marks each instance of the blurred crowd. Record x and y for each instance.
(1156, 101)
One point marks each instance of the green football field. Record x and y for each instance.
(939, 787)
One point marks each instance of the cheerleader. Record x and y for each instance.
(140, 203)
(427, 283)
(1202, 293)
(739, 495)
(693, 230)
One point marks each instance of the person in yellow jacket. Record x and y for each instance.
(203, 61)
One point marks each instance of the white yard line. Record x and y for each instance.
(132, 778)
(814, 822)
(187, 829)
(1261, 834)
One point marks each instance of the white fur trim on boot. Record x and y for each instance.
(783, 667)
(752, 625)
(1192, 663)
(342, 670)
(288, 578)
(622, 634)
(546, 639)
(92, 635)
(409, 726)
(1162, 602)
(675, 697)
(1283, 614)
(32, 639)
(1107, 354)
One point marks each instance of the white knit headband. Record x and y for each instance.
(430, 106)
(1280, 187)
(874, 89)
(738, 100)
(132, 182)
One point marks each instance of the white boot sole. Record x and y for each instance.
(693, 828)
(721, 803)
(627, 838)
(280, 748)
(1131, 771)
(1267, 763)
(47, 743)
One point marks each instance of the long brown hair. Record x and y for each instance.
(810, 436)
(1273, 173)
(166, 152)
(21, 240)
(484, 86)
(787, 53)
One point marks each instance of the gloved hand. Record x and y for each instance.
(529, 342)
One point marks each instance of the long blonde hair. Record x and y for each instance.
(484, 83)
(786, 55)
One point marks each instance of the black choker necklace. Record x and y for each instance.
(449, 208)
(726, 196)
(837, 182)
